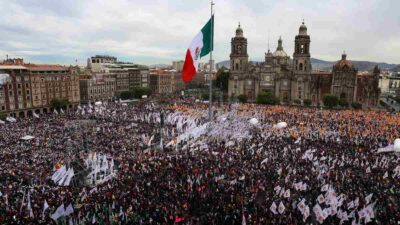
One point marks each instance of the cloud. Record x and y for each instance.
(160, 31)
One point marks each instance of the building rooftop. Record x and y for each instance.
(12, 67)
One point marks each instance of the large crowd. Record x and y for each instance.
(323, 168)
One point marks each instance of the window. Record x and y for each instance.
(301, 66)
(237, 66)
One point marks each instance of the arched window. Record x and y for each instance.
(301, 66)
(237, 66)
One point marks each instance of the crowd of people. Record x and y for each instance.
(323, 168)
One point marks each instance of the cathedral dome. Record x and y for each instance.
(303, 29)
(344, 63)
(279, 50)
(239, 31)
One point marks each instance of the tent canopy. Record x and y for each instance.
(27, 137)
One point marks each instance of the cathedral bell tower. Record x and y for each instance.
(239, 57)
(300, 88)
(301, 55)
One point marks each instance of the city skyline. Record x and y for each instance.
(159, 32)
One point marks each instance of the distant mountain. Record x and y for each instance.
(159, 66)
(319, 64)
(396, 69)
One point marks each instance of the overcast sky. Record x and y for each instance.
(159, 31)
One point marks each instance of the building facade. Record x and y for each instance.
(161, 82)
(31, 87)
(97, 87)
(294, 80)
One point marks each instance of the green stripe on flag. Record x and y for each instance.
(208, 37)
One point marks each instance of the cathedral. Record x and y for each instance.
(293, 80)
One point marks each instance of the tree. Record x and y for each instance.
(205, 96)
(330, 101)
(127, 95)
(138, 92)
(307, 102)
(343, 103)
(297, 102)
(356, 105)
(267, 98)
(242, 98)
(222, 79)
(59, 103)
(3, 115)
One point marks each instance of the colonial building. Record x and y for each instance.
(31, 87)
(161, 81)
(97, 87)
(294, 80)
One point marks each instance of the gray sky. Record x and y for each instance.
(160, 31)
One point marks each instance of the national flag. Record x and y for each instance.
(201, 45)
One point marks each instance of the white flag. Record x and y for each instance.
(368, 199)
(45, 206)
(69, 210)
(273, 208)
(287, 193)
(281, 208)
(58, 213)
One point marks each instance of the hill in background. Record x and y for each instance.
(319, 64)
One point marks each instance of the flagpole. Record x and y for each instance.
(210, 76)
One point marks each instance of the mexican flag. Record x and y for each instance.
(201, 45)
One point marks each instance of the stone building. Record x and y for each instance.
(97, 87)
(138, 77)
(16, 93)
(161, 81)
(294, 80)
(31, 87)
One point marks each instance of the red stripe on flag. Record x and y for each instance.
(189, 70)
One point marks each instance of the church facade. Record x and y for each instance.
(293, 79)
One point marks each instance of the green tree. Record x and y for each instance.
(59, 103)
(222, 79)
(138, 92)
(297, 102)
(242, 98)
(3, 115)
(267, 98)
(307, 102)
(127, 95)
(343, 103)
(205, 96)
(356, 105)
(330, 101)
